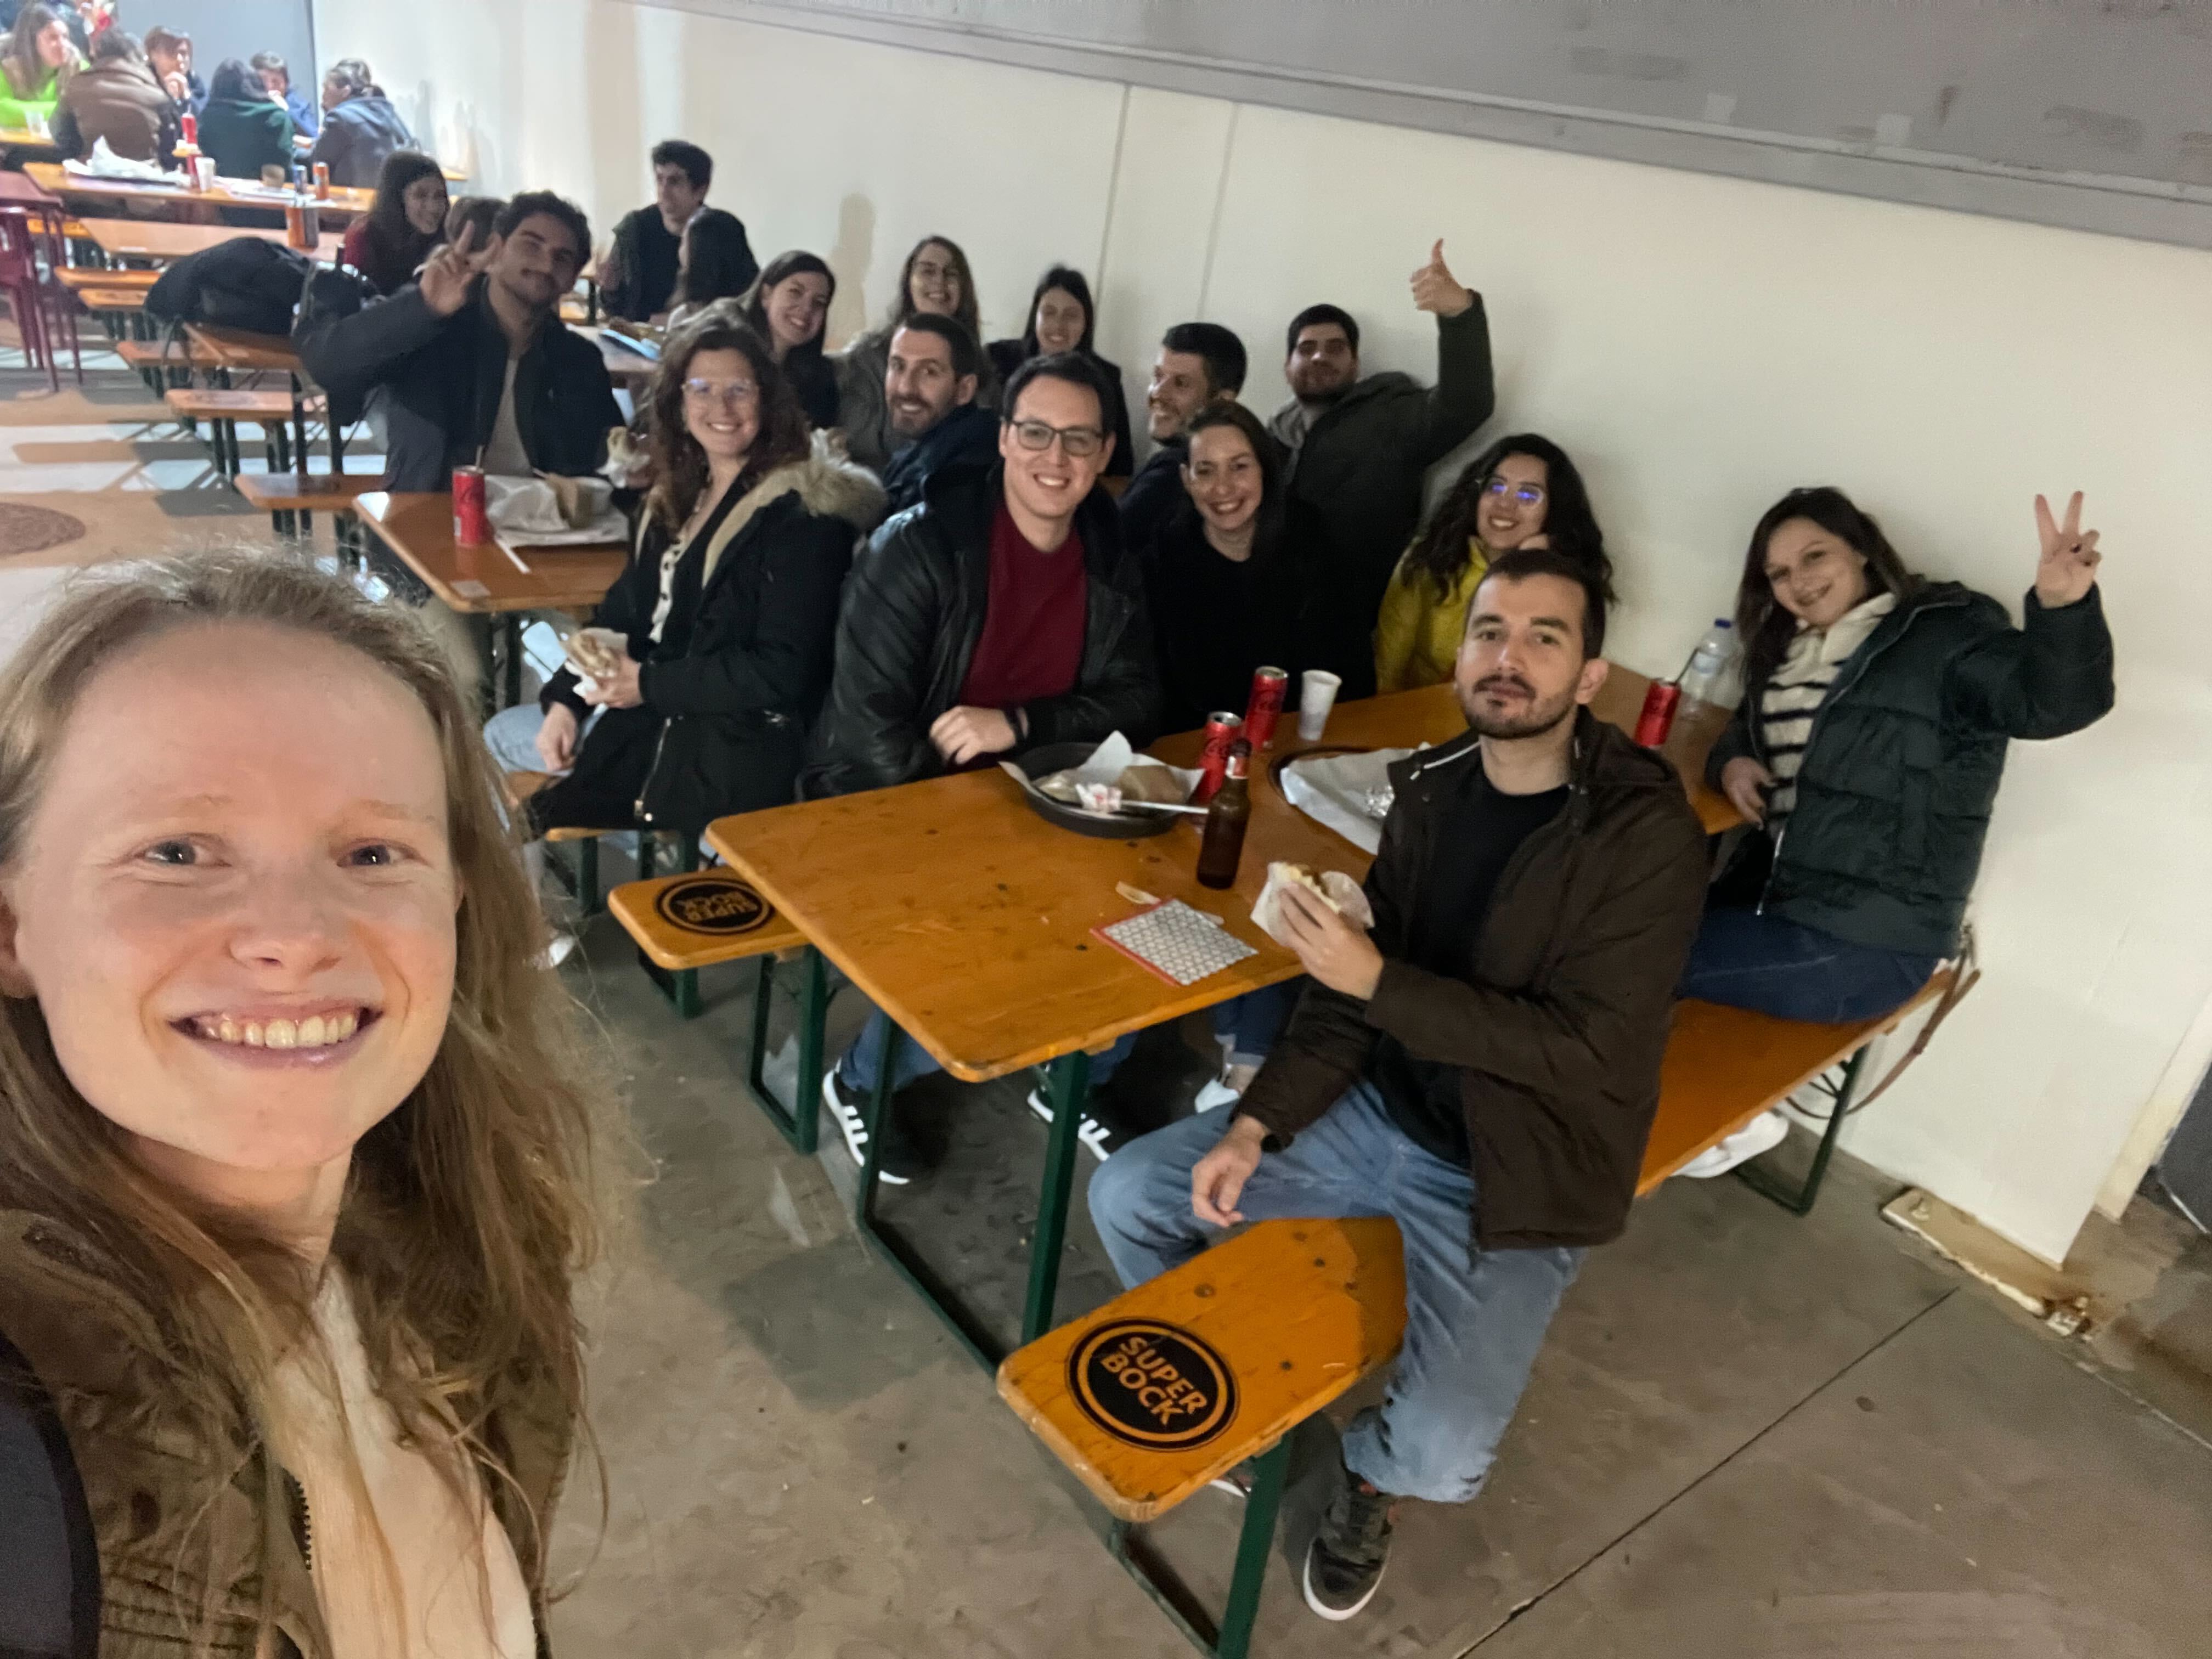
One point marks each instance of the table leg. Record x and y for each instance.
(1233, 1637)
(300, 425)
(486, 629)
(511, 641)
(1070, 1086)
(797, 1125)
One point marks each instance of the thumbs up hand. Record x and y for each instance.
(1436, 290)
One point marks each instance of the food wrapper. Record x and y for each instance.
(1343, 892)
(535, 512)
(1114, 773)
(593, 653)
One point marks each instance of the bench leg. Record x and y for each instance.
(587, 877)
(1070, 1086)
(1801, 1200)
(801, 1124)
(1233, 1638)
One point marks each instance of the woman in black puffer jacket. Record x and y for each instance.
(1877, 710)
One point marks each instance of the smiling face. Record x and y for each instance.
(1178, 390)
(932, 281)
(797, 306)
(1047, 481)
(539, 262)
(1322, 363)
(1522, 669)
(1223, 478)
(919, 385)
(722, 404)
(1514, 499)
(235, 902)
(1061, 320)
(424, 202)
(1816, 575)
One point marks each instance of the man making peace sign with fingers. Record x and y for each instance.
(1360, 446)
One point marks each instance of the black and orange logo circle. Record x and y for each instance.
(1151, 1385)
(713, 904)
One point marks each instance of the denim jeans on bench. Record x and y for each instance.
(1474, 1319)
(1745, 960)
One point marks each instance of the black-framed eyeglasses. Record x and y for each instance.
(1078, 443)
(1528, 495)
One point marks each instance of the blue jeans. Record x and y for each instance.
(1251, 1022)
(1474, 1319)
(1745, 960)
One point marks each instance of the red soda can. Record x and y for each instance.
(471, 515)
(1222, 729)
(190, 123)
(1657, 719)
(322, 181)
(1268, 685)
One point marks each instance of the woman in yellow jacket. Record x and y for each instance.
(1522, 491)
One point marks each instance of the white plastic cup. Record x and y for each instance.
(1317, 690)
(203, 172)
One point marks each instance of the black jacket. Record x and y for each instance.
(742, 665)
(1363, 458)
(647, 258)
(967, 437)
(913, 612)
(1155, 493)
(442, 377)
(1907, 749)
(1008, 355)
(356, 138)
(814, 378)
(1560, 1036)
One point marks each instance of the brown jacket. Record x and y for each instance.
(1560, 1036)
(119, 100)
(173, 1522)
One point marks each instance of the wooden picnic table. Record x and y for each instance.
(158, 239)
(968, 919)
(22, 138)
(16, 189)
(489, 581)
(344, 202)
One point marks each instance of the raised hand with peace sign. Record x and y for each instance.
(451, 271)
(2067, 568)
(1436, 290)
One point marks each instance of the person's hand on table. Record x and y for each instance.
(617, 689)
(451, 271)
(963, 733)
(1217, 1181)
(2067, 568)
(1436, 290)
(1745, 782)
(1333, 951)
(557, 738)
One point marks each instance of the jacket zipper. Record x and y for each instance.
(303, 1524)
(652, 771)
(1835, 693)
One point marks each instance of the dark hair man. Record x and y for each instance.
(118, 99)
(930, 379)
(1359, 446)
(277, 75)
(1483, 1067)
(1198, 365)
(638, 271)
(470, 358)
(1001, 614)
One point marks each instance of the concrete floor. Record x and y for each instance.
(1749, 1434)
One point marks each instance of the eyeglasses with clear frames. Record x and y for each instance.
(1078, 443)
(1528, 495)
(730, 392)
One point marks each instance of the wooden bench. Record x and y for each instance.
(1183, 1378)
(292, 499)
(702, 918)
(80, 277)
(223, 408)
(583, 883)
(111, 299)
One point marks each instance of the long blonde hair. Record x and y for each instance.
(468, 1210)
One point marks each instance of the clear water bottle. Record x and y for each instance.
(1711, 676)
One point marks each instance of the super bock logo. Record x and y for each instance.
(1152, 1385)
(713, 904)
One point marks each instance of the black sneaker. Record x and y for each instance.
(1345, 1562)
(1100, 1138)
(902, 1160)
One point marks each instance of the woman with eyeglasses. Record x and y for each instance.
(935, 279)
(1062, 318)
(727, 610)
(1522, 491)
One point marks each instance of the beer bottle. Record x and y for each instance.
(1226, 818)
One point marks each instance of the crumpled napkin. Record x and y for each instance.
(525, 511)
(104, 163)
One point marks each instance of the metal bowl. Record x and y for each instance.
(1107, 826)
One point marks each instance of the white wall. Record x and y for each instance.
(1700, 343)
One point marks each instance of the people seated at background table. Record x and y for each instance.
(388, 244)
(241, 128)
(470, 361)
(276, 76)
(1361, 447)
(637, 273)
(789, 308)
(1003, 614)
(929, 387)
(728, 607)
(1199, 364)
(478, 214)
(359, 126)
(935, 281)
(1868, 748)
(299, 1140)
(1483, 1068)
(714, 262)
(1063, 317)
(170, 52)
(1522, 491)
(37, 61)
(119, 100)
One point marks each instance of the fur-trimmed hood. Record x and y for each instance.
(827, 485)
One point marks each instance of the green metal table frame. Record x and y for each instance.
(1233, 1637)
(799, 1122)
(1799, 1200)
(1067, 1082)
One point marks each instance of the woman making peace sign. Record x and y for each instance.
(1876, 709)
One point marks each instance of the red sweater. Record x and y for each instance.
(1033, 620)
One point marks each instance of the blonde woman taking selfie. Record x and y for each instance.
(292, 1162)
